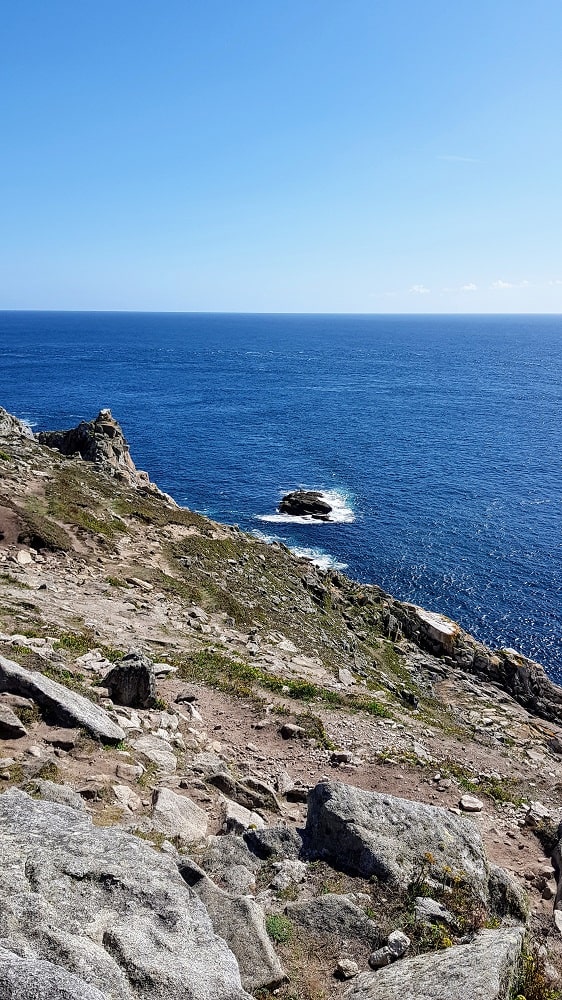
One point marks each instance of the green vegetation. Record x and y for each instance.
(498, 789)
(4, 457)
(78, 643)
(279, 928)
(533, 983)
(73, 497)
(7, 578)
(40, 530)
(241, 679)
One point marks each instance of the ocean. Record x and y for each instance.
(436, 438)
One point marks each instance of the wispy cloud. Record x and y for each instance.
(501, 285)
(471, 287)
(459, 159)
(418, 290)
(557, 281)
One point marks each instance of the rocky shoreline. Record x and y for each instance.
(228, 773)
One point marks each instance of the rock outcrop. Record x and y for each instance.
(522, 678)
(240, 920)
(63, 705)
(485, 969)
(305, 503)
(132, 681)
(368, 834)
(102, 442)
(10, 425)
(98, 914)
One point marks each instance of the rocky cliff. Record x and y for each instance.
(228, 772)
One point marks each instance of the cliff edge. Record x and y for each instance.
(291, 781)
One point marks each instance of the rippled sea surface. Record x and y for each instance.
(438, 438)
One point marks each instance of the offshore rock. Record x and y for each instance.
(66, 707)
(99, 908)
(305, 503)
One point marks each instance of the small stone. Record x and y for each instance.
(341, 757)
(430, 910)
(24, 558)
(127, 797)
(346, 677)
(129, 772)
(346, 968)
(398, 942)
(469, 803)
(238, 819)
(11, 728)
(381, 957)
(63, 739)
(178, 816)
(290, 731)
(536, 814)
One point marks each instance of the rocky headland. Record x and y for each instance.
(225, 773)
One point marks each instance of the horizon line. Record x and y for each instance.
(256, 312)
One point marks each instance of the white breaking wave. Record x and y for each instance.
(321, 559)
(341, 513)
(317, 556)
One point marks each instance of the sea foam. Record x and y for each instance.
(341, 513)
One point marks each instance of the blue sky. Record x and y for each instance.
(281, 155)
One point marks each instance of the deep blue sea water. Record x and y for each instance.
(439, 437)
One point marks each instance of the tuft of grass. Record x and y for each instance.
(48, 772)
(279, 928)
(75, 682)
(533, 983)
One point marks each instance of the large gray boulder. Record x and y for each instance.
(241, 922)
(178, 816)
(106, 908)
(132, 682)
(485, 969)
(65, 707)
(367, 833)
(336, 915)
(33, 979)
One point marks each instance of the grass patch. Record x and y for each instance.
(241, 679)
(279, 928)
(80, 497)
(40, 531)
(12, 581)
(498, 789)
(4, 456)
(78, 643)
